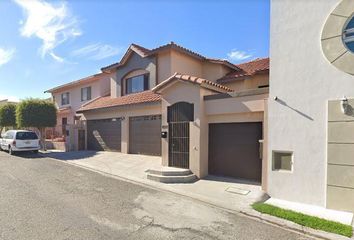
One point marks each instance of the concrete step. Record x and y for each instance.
(172, 179)
(170, 171)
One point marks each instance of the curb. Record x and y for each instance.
(264, 218)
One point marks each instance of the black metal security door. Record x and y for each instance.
(178, 118)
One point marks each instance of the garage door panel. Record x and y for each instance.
(104, 135)
(234, 150)
(145, 135)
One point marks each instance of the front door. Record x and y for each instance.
(64, 122)
(179, 115)
(81, 140)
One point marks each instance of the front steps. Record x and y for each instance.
(171, 175)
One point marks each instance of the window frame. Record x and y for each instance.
(88, 96)
(62, 98)
(146, 83)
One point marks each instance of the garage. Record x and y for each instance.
(145, 135)
(104, 135)
(234, 150)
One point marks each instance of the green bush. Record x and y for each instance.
(8, 115)
(36, 113)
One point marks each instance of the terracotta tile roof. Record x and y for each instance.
(196, 80)
(108, 101)
(144, 52)
(247, 69)
(77, 82)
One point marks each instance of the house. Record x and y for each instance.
(311, 120)
(69, 98)
(203, 114)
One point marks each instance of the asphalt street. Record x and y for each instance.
(43, 198)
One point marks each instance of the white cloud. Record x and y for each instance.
(236, 55)
(97, 51)
(51, 24)
(9, 98)
(6, 55)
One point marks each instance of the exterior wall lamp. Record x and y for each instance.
(344, 104)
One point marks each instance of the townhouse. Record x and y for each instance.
(198, 113)
(69, 98)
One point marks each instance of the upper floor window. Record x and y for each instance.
(137, 84)
(65, 98)
(85, 93)
(348, 35)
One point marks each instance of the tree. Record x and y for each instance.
(7, 116)
(36, 113)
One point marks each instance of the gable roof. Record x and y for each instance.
(76, 83)
(131, 99)
(144, 52)
(191, 79)
(257, 66)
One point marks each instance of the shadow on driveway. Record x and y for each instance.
(66, 156)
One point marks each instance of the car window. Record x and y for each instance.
(9, 135)
(26, 136)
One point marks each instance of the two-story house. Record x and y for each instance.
(69, 98)
(198, 113)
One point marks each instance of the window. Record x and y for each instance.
(137, 84)
(282, 160)
(348, 35)
(26, 136)
(86, 94)
(65, 98)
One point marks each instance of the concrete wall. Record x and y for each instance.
(125, 113)
(340, 173)
(303, 80)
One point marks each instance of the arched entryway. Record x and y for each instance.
(179, 115)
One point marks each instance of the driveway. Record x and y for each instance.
(228, 193)
(42, 198)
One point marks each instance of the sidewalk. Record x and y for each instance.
(230, 194)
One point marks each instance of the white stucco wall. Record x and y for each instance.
(304, 81)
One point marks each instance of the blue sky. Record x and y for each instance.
(47, 43)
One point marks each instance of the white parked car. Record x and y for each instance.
(20, 141)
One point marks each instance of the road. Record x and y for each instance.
(42, 198)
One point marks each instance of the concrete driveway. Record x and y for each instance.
(228, 193)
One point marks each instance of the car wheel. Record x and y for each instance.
(10, 151)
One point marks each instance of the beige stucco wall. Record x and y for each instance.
(172, 61)
(232, 105)
(249, 83)
(185, 64)
(164, 70)
(99, 88)
(125, 112)
(340, 160)
(213, 71)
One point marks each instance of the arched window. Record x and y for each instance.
(180, 112)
